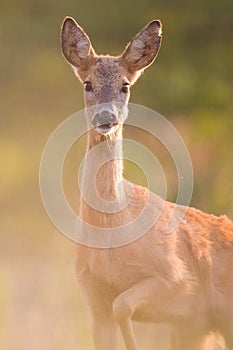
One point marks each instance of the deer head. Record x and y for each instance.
(107, 79)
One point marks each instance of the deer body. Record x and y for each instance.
(184, 278)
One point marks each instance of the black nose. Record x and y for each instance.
(104, 119)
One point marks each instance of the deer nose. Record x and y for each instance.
(105, 119)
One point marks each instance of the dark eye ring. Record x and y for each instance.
(87, 85)
(125, 88)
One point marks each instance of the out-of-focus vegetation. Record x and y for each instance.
(190, 84)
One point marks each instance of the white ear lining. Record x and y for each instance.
(160, 32)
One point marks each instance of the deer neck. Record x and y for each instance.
(102, 173)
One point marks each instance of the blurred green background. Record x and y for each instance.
(190, 84)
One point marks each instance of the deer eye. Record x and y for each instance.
(87, 85)
(125, 88)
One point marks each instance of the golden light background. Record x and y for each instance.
(190, 84)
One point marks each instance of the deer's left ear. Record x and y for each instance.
(143, 48)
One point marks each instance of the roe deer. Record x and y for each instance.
(184, 278)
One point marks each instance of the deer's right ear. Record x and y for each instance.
(76, 45)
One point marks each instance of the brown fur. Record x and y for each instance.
(184, 278)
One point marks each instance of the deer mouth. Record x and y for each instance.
(106, 128)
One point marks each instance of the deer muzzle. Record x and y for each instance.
(104, 121)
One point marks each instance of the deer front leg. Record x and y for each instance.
(99, 299)
(127, 332)
(134, 299)
(104, 330)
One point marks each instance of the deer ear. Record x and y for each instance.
(143, 48)
(76, 45)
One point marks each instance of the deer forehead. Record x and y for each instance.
(106, 71)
